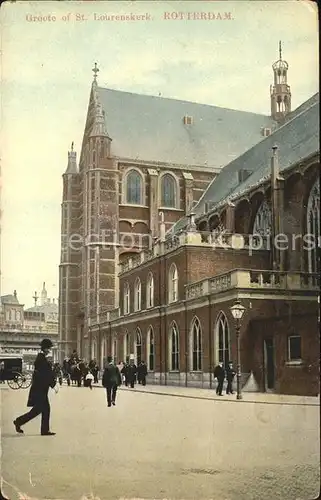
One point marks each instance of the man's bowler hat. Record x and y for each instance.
(46, 344)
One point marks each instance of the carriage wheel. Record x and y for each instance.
(25, 380)
(15, 382)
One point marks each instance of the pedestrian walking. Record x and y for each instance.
(131, 373)
(142, 373)
(124, 373)
(43, 378)
(219, 373)
(111, 380)
(89, 380)
(230, 374)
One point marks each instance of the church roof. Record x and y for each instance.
(296, 139)
(150, 128)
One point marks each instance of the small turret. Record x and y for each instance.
(72, 161)
(280, 91)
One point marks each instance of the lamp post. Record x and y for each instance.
(237, 311)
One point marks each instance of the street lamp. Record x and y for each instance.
(237, 311)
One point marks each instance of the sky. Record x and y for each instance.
(46, 76)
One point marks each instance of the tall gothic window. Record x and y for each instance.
(263, 220)
(150, 291)
(196, 345)
(103, 357)
(134, 188)
(168, 191)
(172, 284)
(150, 350)
(126, 347)
(222, 340)
(313, 227)
(138, 295)
(138, 346)
(173, 348)
(126, 298)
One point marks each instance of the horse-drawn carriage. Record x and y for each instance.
(11, 371)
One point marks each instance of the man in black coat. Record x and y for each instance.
(43, 378)
(131, 373)
(142, 373)
(219, 373)
(230, 374)
(111, 380)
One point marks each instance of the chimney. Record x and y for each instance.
(162, 229)
(274, 166)
(15, 294)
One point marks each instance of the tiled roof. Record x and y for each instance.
(296, 139)
(9, 299)
(152, 128)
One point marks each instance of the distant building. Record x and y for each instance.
(21, 330)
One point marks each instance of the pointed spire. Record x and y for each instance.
(280, 50)
(72, 161)
(99, 126)
(95, 71)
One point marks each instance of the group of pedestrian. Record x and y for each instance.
(46, 375)
(132, 373)
(126, 373)
(221, 373)
(76, 370)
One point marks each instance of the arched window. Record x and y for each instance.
(168, 191)
(313, 227)
(222, 340)
(126, 347)
(134, 188)
(150, 350)
(196, 345)
(138, 346)
(172, 284)
(138, 295)
(126, 298)
(173, 348)
(150, 291)
(263, 220)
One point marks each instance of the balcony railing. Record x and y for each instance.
(253, 279)
(219, 239)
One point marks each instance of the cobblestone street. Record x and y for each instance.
(151, 446)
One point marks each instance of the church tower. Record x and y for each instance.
(280, 91)
(70, 257)
(99, 180)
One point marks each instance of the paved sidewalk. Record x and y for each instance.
(248, 397)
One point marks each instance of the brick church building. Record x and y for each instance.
(177, 209)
